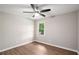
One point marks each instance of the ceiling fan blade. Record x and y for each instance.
(45, 10)
(42, 14)
(32, 5)
(33, 16)
(28, 12)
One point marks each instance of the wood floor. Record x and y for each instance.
(36, 48)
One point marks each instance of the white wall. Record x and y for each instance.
(78, 30)
(60, 31)
(0, 31)
(14, 30)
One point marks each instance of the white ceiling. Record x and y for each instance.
(56, 9)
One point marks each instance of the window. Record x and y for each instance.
(41, 27)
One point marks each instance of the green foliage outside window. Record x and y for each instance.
(41, 27)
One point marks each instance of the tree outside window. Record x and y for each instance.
(41, 27)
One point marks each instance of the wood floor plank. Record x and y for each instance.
(36, 48)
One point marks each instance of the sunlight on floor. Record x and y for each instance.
(41, 49)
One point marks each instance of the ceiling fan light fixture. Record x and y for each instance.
(37, 16)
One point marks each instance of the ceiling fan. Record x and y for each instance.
(36, 10)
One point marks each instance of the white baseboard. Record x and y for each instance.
(15, 46)
(57, 46)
